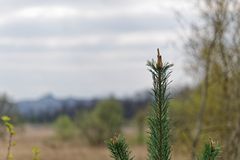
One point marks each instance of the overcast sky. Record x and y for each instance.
(87, 48)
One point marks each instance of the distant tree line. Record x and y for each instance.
(129, 105)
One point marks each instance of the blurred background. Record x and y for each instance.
(73, 73)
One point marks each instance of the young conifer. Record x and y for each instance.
(210, 151)
(119, 149)
(158, 144)
(158, 121)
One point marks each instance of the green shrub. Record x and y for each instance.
(101, 124)
(64, 127)
(140, 120)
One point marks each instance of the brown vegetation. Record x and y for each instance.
(54, 149)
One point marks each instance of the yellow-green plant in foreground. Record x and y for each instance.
(36, 153)
(158, 122)
(11, 131)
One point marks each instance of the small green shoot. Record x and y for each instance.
(10, 129)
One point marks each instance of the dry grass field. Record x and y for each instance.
(55, 149)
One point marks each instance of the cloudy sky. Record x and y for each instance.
(87, 48)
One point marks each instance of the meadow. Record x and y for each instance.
(53, 148)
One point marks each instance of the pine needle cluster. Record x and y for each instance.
(210, 151)
(119, 148)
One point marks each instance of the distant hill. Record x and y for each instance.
(48, 107)
(48, 102)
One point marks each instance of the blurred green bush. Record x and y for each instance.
(102, 122)
(65, 127)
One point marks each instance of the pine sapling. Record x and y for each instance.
(119, 149)
(158, 144)
(210, 151)
(158, 121)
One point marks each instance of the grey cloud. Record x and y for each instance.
(22, 3)
(104, 46)
(85, 26)
(83, 68)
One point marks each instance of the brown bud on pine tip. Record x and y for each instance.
(159, 60)
(114, 139)
(212, 144)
